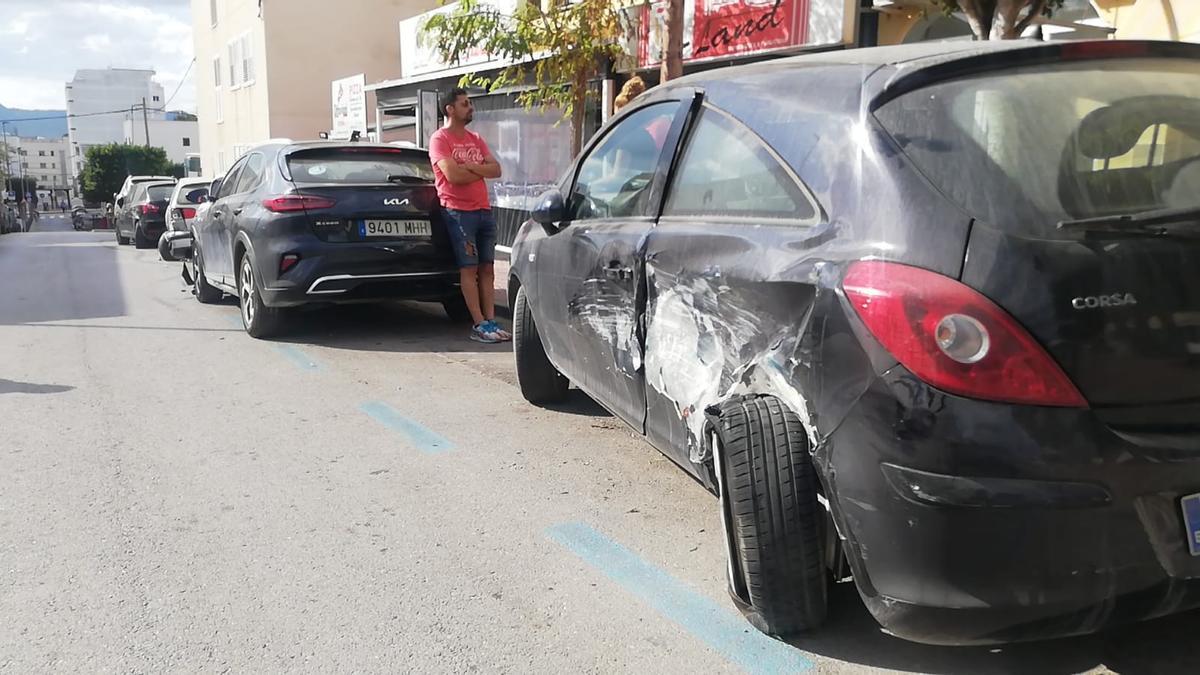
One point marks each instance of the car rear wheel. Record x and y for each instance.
(205, 292)
(773, 521)
(164, 246)
(456, 309)
(121, 241)
(139, 239)
(539, 380)
(259, 320)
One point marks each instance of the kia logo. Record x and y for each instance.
(395, 201)
(1113, 300)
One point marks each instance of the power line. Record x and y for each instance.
(181, 81)
(122, 111)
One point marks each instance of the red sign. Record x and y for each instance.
(726, 27)
(723, 28)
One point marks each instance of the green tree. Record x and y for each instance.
(177, 170)
(106, 166)
(999, 19)
(556, 49)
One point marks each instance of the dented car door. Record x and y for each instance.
(590, 270)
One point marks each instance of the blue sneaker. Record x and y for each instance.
(495, 328)
(483, 332)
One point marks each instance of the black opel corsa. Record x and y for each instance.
(322, 222)
(924, 317)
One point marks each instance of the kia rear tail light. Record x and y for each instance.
(296, 202)
(954, 338)
(146, 209)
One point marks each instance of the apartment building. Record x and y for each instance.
(92, 97)
(46, 160)
(264, 67)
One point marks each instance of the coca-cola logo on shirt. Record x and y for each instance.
(466, 153)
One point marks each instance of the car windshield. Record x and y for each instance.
(157, 193)
(357, 165)
(1023, 149)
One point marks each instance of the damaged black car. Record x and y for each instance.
(925, 318)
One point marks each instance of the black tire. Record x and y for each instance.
(259, 320)
(539, 380)
(139, 239)
(776, 525)
(121, 241)
(163, 249)
(205, 292)
(456, 309)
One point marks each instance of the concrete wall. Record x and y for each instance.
(310, 43)
(1152, 19)
(170, 135)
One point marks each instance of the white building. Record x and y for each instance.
(111, 91)
(46, 160)
(178, 137)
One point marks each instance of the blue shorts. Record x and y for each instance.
(472, 236)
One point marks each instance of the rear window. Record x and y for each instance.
(1026, 148)
(156, 193)
(354, 165)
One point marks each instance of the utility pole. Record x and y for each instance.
(145, 122)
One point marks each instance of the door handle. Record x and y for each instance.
(237, 212)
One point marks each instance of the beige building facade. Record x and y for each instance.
(264, 67)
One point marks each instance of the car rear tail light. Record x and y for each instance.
(953, 337)
(296, 202)
(146, 209)
(187, 212)
(288, 261)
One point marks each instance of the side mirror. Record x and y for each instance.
(550, 209)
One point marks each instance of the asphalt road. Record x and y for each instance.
(370, 493)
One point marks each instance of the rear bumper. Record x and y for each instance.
(971, 523)
(349, 272)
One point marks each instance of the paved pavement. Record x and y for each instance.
(367, 494)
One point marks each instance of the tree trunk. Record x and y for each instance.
(578, 112)
(672, 62)
(979, 16)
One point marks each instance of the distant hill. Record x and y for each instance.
(51, 128)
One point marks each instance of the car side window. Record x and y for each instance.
(614, 180)
(726, 170)
(251, 174)
(231, 180)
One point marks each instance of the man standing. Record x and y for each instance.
(461, 160)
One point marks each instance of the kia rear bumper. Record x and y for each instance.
(348, 272)
(969, 522)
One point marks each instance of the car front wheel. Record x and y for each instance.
(539, 380)
(259, 320)
(205, 292)
(773, 520)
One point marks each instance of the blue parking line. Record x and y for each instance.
(304, 361)
(419, 437)
(721, 629)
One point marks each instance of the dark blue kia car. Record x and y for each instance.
(925, 319)
(298, 223)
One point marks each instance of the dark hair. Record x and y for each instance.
(451, 97)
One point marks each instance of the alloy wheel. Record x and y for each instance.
(247, 293)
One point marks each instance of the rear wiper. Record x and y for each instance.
(404, 178)
(1145, 221)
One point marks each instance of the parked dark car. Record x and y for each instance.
(926, 317)
(298, 223)
(144, 216)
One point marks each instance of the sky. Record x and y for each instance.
(43, 43)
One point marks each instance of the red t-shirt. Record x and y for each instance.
(466, 149)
